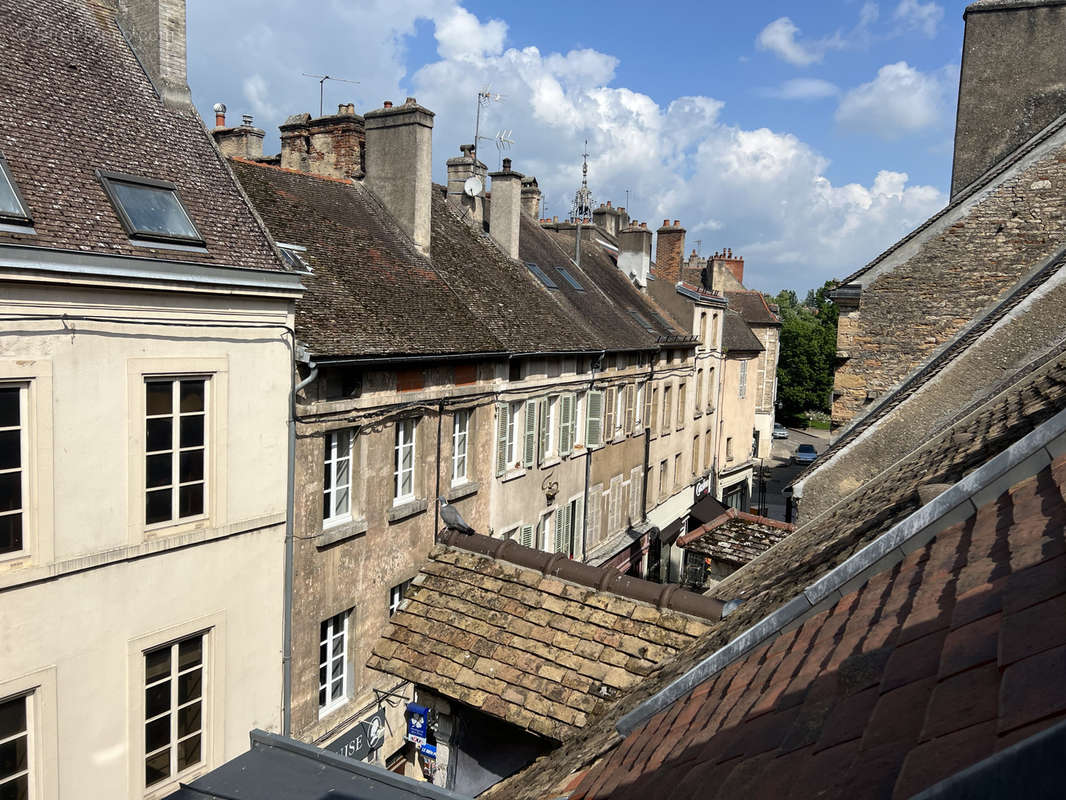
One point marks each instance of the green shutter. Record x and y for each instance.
(525, 537)
(530, 443)
(559, 542)
(501, 438)
(542, 430)
(566, 424)
(611, 402)
(593, 418)
(577, 514)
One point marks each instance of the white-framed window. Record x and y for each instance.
(396, 596)
(404, 472)
(16, 747)
(332, 662)
(13, 467)
(174, 690)
(742, 385)
(460, 442)
(337, 477)
(175, 448)
(640, 414)
(567, 423)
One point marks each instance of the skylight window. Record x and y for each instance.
(541, 275)
(294, 257)
(12, 209)
(661, 320)
(150, 209)
(570, 279)
(640, 319)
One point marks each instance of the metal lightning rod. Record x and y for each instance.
(321, 85)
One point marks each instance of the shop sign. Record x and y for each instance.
(417, 723)
(703, 488)
(428, 750)
(363, 739)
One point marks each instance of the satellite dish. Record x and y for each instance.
(473, 186)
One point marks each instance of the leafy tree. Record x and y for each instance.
(808, 350)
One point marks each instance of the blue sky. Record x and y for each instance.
(805, 136)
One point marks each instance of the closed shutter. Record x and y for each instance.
(566, 424)
(577, 517)
(562, 530)
(681, 392)
(636, 488)
(542, 431)
(525, 537)
(595, 503)
(614, 506)
(608, 422)
(645, 421)
(530, 443)
(502, 410)
(653, 420)
(631, 408)
(594, 419)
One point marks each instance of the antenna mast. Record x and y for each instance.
(321, 86)
(484, 97)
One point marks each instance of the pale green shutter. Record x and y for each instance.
(593, 418)
(595, 504)
(560, 544)
(542, 430)
(609, 421)
(566, 424)
(530, 443)
(577, 514)
(502, 411)
(525, 537)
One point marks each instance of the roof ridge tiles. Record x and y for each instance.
(291, 171)
(604, 579)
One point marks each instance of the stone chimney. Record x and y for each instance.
(530, 196)
(460, 169)
(1013, 81)
(244, 141)
(399, 165)
(726, 271)
(669, 250)
(156, 30)
(506, 208)
(332, 146)
(634, 255)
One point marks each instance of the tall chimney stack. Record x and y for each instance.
(726, 271)
(530, 196)
(399, 165)
(244, 141)
(332, 146)
(669, 250)
(460, 169)
(506, 208)
(634, 256)
(156, 30)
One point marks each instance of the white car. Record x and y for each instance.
(780, 431)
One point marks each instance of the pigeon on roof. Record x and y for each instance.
(452, 518)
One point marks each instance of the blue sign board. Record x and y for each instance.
(417, 723)
(428, 750)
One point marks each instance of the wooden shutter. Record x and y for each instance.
(502, 410)
(653, 420)
(566, 424)
(542, 430)
(595, 501)
(593, 418)
(525, 536)
(530, 443)
(631, 408)
(636, 488)
(577, 517)
(608, 422)
(562, 530)
(682, 390)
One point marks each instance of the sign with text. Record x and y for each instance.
(703, 488)
(363, 739)
(417, 723)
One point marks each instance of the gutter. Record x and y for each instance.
(1023, 459)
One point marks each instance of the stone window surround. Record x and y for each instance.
(39, 689)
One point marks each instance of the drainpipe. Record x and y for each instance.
(647, 442)
(436, 503)
(721, 423)
(299, 356)
(588, 454)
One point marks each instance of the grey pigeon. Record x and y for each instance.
(451, 517)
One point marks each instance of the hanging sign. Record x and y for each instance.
(417, 723)
(363, 739)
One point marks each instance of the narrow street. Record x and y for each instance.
(780, 472)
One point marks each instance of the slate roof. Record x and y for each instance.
(735, 536)
(527, 645)
(784, 571)
(928, 668)
(74, 99)
(737, 336)
(752, 307)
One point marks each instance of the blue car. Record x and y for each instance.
(804, 454)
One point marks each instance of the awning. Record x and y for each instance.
(707, 509)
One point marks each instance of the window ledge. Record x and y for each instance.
(594, 448)
(511, 475)
(680, 428)
(462, 490)
(551, 461)
(14, 227)
(340, 531)
(407, 509)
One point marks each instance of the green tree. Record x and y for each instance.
(808, 350)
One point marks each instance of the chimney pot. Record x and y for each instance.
(387, 104)
(608, 204)
(555, 218)
(677, 223)
(507, 165)
(220, 115)
(246, 120)
(666, 223)
(410, 101)
(644, 224)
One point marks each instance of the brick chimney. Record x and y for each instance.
(156, 30)
(244, 141)
(634, 256)
(506, 208)
(460, 169)
(530, 196)
(727, 271)
(669, 250)
(332, 146)
(399, 165)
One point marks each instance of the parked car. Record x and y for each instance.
(780, 431)
(804, 454)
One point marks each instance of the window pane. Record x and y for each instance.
(10, 491)
(158, 397)
(192, 396)
(157, 506)
(12, 717)
(159, 434)
(192, 431)
(9, 202)
(342, 501)
(191, 500)
(189, 752)
(157, 733)
(10, 533)
(191, 652)
(156, 699)
(189, 719)
(337, 689)
(190, 685)
(18, 789)
(10, 449)
(158, 470)
(191, 466)
(156, 664)
(154, 210)
(13, 756)
(156, 768)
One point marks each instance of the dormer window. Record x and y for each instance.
(12, 208)
(294, 257)
(150, 209)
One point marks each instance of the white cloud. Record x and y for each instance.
(804, 89)
(919, 16)
(780, 37)
(257, 94)
(899, 101)
(460, 35)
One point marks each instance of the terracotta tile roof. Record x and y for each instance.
(956, 653)
(533, 646)
(752, 307)
(737, 336)
(783, 571)
(74, 99)
(735, 536)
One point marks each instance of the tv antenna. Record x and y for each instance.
(484, 97)
(699, 246)
(503, 142)
(321, 85)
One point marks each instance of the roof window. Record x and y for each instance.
(570, 279)
(640, 318)
(542, 276)
(12, 207)
(150, 209)
(294, 257)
